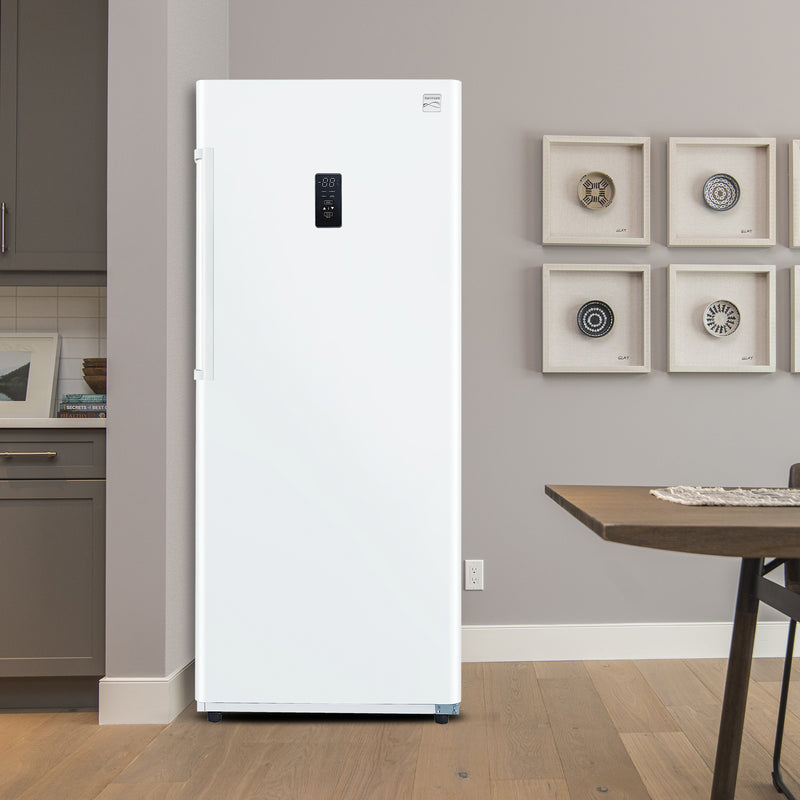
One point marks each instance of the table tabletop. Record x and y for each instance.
(631, 515)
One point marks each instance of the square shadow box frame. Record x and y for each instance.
(581, 335)
(721, 192)
(721, 318)
(596, 190)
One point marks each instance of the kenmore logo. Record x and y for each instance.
(431, 102)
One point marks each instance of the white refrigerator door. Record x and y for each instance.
(328, 394)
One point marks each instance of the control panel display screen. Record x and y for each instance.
(328, 199)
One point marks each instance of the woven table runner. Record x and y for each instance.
(717, 496)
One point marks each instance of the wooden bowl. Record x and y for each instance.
(98, 371)
(97, 383)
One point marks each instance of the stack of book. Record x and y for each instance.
(83, 406)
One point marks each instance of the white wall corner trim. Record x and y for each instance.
(146, 701)
(613, 642)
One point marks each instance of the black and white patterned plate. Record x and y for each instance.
(721, 318)
(595, 319)
(721, 192)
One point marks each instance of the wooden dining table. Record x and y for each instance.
(631, 515)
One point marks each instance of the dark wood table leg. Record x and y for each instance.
(734, 702)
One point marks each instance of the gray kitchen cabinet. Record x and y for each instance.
(53, 86)
(52, 552)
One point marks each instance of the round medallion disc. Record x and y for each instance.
(721, 192)
(595, 319)
(721, 318)
(596, 190)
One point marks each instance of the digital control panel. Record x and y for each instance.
(328, 199)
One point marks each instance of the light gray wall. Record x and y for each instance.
(156, 52)
(137, 241)
(197, 49)
(620, 67)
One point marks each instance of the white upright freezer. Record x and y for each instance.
(328, 396)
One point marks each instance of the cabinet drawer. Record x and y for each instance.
(32, 454)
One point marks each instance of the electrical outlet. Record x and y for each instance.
(473, 575)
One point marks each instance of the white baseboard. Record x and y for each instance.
(613, 642)
(146, 701)
(137, 701)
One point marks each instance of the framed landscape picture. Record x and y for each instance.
(28, 373)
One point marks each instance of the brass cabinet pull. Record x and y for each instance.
(3, 210)
(43, 454)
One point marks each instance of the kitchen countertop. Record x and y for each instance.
(53, 422)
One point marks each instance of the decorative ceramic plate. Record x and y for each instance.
(721, 318)
(721, 192)
(595, 319)
(596, 190)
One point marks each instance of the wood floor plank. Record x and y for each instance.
(176, 754)
(761, 714)
(593, 756)
(633, 706)
(90, 767)
(535, 789)
(701, 726)
(141, 791)
(295, 770)
(382, 760)
(27, 760)
(767, 672)
(237, 765)
(454, 758)
(309, 756)
(669, 765)
(774, 689)
(760, 721)
(521, 743)
(711, 672)
(674, 683)
(260, 756)
(15, 726)
(766, 669)
(597, 764)
(560, 670)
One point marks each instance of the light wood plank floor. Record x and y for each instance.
(643, 730)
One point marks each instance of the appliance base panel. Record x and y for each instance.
(327, 708)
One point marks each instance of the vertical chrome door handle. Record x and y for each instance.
(3, 210)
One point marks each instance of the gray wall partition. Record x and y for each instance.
(157, 51)
(621, 67)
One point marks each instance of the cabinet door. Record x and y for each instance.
(52, 577)
(53, 84)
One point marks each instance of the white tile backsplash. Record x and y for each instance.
(78, 313)
(70, 369)
(37, 306)
(71, 387)
(79, 291)
(79, 348)
(38, 324)
(80, 327)
(78, 306)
